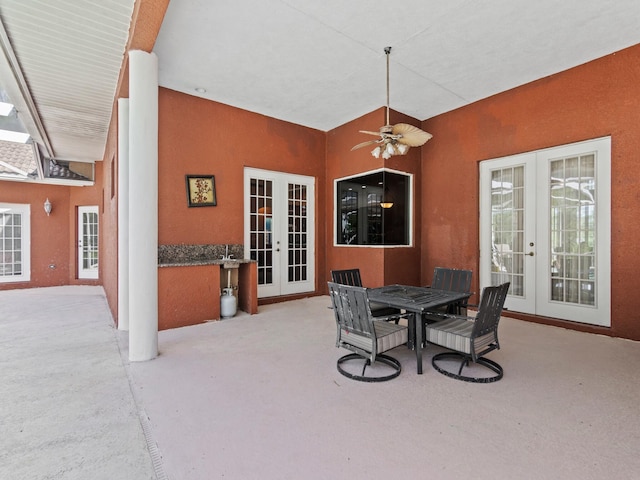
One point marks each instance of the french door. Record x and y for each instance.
(280, 230)
(15, 242)
(545, 227)
(88, 242)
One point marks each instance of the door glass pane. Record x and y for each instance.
(572, 187)
(10, 245)
(297, 201)
(507, 228)
(261, 230)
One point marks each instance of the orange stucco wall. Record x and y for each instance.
(200, 137)
(592, 100)
(188, 295)
(53, 237)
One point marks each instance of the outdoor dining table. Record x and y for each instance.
(417, 300)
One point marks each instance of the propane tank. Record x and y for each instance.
(228, 303)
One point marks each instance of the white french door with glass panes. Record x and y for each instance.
(279, 230)
(545, 227)
(15, 242)
(88, 242)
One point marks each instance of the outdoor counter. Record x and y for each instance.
(189, 284)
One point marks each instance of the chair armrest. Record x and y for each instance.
(394, 317)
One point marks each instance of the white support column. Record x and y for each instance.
(143, 206)
(123, 214)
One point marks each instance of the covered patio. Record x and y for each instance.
(259, 396)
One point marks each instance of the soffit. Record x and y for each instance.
(69, 53)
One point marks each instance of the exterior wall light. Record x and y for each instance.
(47, 206)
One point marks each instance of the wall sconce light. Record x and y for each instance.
(47, 206)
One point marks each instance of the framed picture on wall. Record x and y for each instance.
(201, 190)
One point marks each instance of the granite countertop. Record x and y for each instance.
(204, 261)
(191, 255)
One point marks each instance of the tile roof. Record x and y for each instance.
(18, 160)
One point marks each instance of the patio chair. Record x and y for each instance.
(470, 338)
(352, 277)
(454, 280)
(347, 277)
(367, 337)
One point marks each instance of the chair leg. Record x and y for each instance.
(465, 359)
(463, 363)
(366, 364)
(384, 359)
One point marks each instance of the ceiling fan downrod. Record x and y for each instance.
(387, 51)
(394, 139)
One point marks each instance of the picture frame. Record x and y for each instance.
(201, 190)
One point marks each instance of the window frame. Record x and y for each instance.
(409, 214)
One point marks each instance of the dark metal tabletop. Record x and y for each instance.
(414, 299)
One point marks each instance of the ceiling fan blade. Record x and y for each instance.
(410, 135)
(364, 144)
(368, 132)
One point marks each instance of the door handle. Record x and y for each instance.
(531, 254)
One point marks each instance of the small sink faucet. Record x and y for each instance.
(226, 255)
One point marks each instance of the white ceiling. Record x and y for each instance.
(321, 63)
(314, 63)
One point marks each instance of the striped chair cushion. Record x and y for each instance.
(390, 335)
(452, 333)
(358, 341)
(484, 341)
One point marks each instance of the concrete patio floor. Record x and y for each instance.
(259, 397)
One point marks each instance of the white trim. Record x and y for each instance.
(410, 215)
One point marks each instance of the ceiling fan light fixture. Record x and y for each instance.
(394, 139)
(390, 149)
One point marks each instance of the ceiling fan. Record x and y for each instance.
(394, 139)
